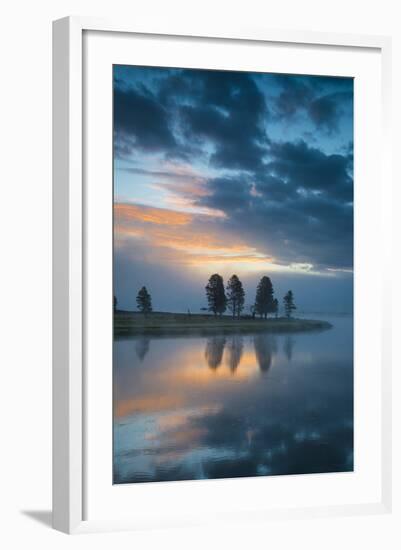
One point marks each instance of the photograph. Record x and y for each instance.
(233, 285)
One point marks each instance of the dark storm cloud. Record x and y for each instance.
(227, 194)
(191, 108)
(323, 99)
(325, 111)
(298, 207)
(235, 148)
(311, 230)
(295, 95)
(224, 109)
(139, 118)
(273, 188)
(310, 169)
(229, 112)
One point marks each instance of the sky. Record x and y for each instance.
(232, 172)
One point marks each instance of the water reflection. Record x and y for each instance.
(288, 347)
(214, 351)
(265, 347)
(204, 407)
(142, 347)
(235, 348)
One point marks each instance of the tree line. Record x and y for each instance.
(232, 297)
(143, 301)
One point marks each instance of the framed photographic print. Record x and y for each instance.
(220, 229)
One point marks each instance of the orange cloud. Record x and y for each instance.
(196, 240)
(229, 258)
(160, 216)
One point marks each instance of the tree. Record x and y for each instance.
(216, 296)
(115, 302)
(144, 301)
(235, 296)
(289, 305)
(264, 297)
(275, 307)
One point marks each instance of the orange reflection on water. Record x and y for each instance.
(195, 372)
(184, 376)
(149, 403)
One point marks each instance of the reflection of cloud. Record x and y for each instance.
(275, 448)
(222, 429)
(265, 347)
(157, 402)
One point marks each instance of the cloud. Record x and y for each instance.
(298, 207)
(324, 100)
(295, 94)
(309, 168)
(326, 110)
(188, 109)
(229, 111)
(227, 193)
(133, 212)
(141, 122)
(181, 238)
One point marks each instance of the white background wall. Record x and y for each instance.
(25, 398)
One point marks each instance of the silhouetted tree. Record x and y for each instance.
(216, 296)
(275, 307)
(144, 301)
(264, 297)
(289, 305)
(235, 296)
(115, 302)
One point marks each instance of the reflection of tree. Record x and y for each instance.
(235, 347)
(142, 347)
(289, 347)
(214, 351)
(265, 348)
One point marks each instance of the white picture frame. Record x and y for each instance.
(70, 251)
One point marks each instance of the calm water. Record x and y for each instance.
(230, 406)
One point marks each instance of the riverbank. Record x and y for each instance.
(128, 323)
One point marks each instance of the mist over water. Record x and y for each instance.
(233, 405)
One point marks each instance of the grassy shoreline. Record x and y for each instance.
(127, 323)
